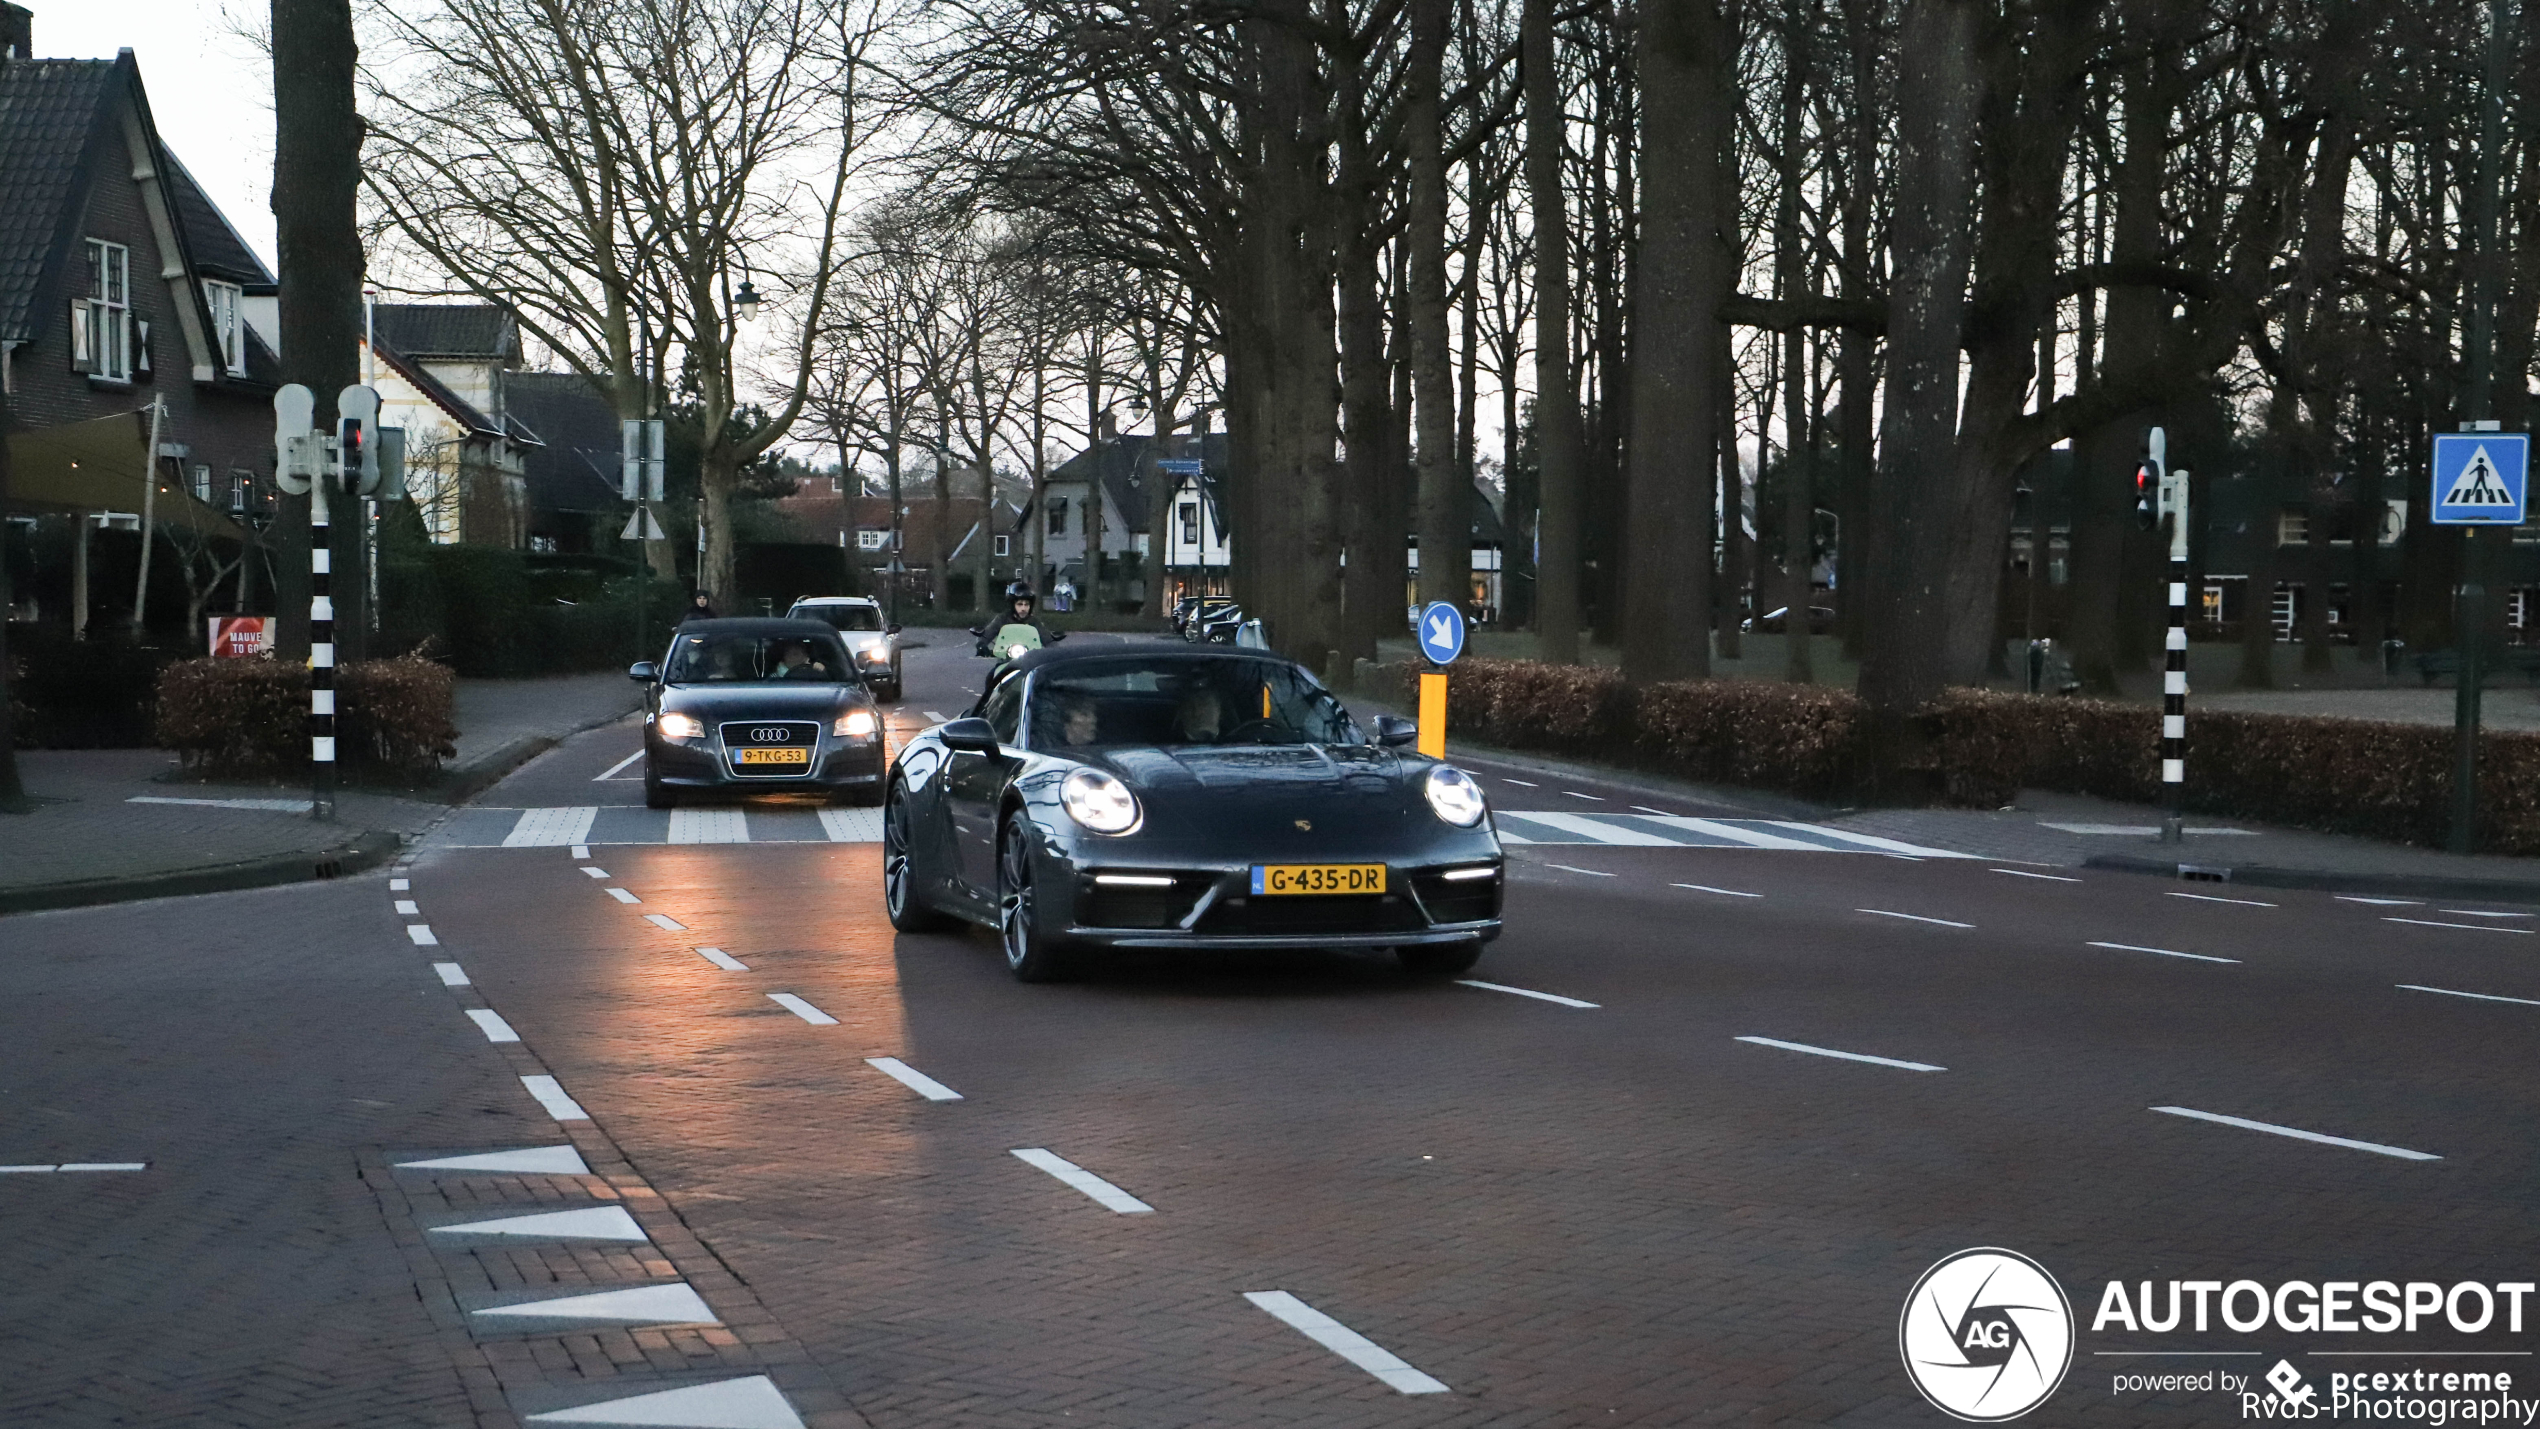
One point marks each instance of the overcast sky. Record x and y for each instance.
(209, 88)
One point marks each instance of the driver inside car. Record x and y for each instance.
(1201, 715)
(795, 663)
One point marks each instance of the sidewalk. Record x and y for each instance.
(117, 824)
(2074, 831)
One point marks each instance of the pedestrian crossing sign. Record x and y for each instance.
(2480, 478)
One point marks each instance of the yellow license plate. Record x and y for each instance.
(772, 756)
(1318, 878)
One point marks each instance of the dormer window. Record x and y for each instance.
(101, 323)
(229, 324)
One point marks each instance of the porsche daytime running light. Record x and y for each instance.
(854, 724)
(1099, 802)
(1453, 796)
(680, 726)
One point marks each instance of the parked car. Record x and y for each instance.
(1192, 610)
(870, 637)
(1217, 625)
(1147, 797)
(755, 705)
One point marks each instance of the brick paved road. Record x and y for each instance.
(1569, 1216)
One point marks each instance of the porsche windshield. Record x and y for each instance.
(741, 659)
(1169, 701)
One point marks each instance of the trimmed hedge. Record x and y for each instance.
(1981, 748)
(250, 718)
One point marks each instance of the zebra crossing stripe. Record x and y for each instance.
(709, 826)
(552, 828)
(852, 826)
(1600, 830)
(1731, 833)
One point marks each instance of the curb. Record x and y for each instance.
(367, 851)
(457, 786)
(2259, 875)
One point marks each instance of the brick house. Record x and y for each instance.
(123, 289)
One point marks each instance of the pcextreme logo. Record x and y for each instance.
(1987, 1335)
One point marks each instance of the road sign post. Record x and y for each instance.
(1441, 640)
(2161, 492)
(2481, 478)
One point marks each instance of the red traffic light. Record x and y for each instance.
(2147, 496)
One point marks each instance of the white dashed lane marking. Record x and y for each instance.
(2466, 927)
(673, 1304)
(1105, 1194)
(2481, 996)
(802, 1009)
(1913, 917)
(2024, 873)
(1341, 1340)
(611, 771)
(2381, 902)
(2298, 1134)
(2478, 913)
(588, 1223)
(581, 850)
(2217, 898)
(1724, 892)
(595, 872)
(1523, 992)
(665, 922)
(913, 1079)
(2164, 952)
(407, 907)
(491, 1023)
(398, 885)
(1843, 1056)
(723, 960)
(74, 1166)
(550, 1094)
(420, 934)
(1520, 783)
(621, 895)
(1590, 872)
(750, 1403)
(452, 975)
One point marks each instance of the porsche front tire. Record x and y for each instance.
(1029, 954)
(900, 899)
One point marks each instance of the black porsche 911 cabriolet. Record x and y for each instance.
(756, 706)
(1152, 796)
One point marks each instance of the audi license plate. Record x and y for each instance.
(772, 756)
(1318, 878)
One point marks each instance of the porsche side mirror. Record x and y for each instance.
(643, 672)
(1393, 731)
(971, 736)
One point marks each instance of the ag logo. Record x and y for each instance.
(1987, 1335)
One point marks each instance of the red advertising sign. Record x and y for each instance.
(239, 636)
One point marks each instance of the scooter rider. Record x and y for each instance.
(1018, 626)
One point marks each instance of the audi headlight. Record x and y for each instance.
(1099, 802)
(680, 726)
(1453, 795)
(854, 724)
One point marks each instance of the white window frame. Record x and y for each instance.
(1188, 511)
(108, 311)
(1005, 545)
(229, 322)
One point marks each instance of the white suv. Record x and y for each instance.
(872, 640)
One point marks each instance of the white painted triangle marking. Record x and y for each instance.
(752, 1403)
(527, 1161)
(588, 1223)
(672, 1304)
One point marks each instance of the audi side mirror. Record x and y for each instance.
(1393, 731)
(890, 629)
(643, 672)
(970, 736)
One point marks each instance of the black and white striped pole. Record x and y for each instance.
(2160, 492)
(322, 465)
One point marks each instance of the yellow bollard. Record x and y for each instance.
(1433, 715)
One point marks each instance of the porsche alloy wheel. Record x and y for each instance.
(1030, 956)
(908, 913)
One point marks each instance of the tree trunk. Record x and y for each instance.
(1906, 664)
(1856, 548)
(1556, 392)
(1686, 57)
(318, 245)
(1373, 535)
(1798, 495)
(1446, 518)
(1736, 552)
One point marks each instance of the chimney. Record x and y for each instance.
(17, 32)
(1110, 428)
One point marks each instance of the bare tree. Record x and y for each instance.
(614, 175)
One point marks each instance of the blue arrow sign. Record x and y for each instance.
(2481, 478)
(1441, 632)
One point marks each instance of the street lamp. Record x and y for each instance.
(745, 302)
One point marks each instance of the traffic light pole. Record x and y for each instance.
(321, 658)
(2174, 674)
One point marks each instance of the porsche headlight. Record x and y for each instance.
(1453, 795)
(680, 726)
(854, 724)
(1099, 802)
